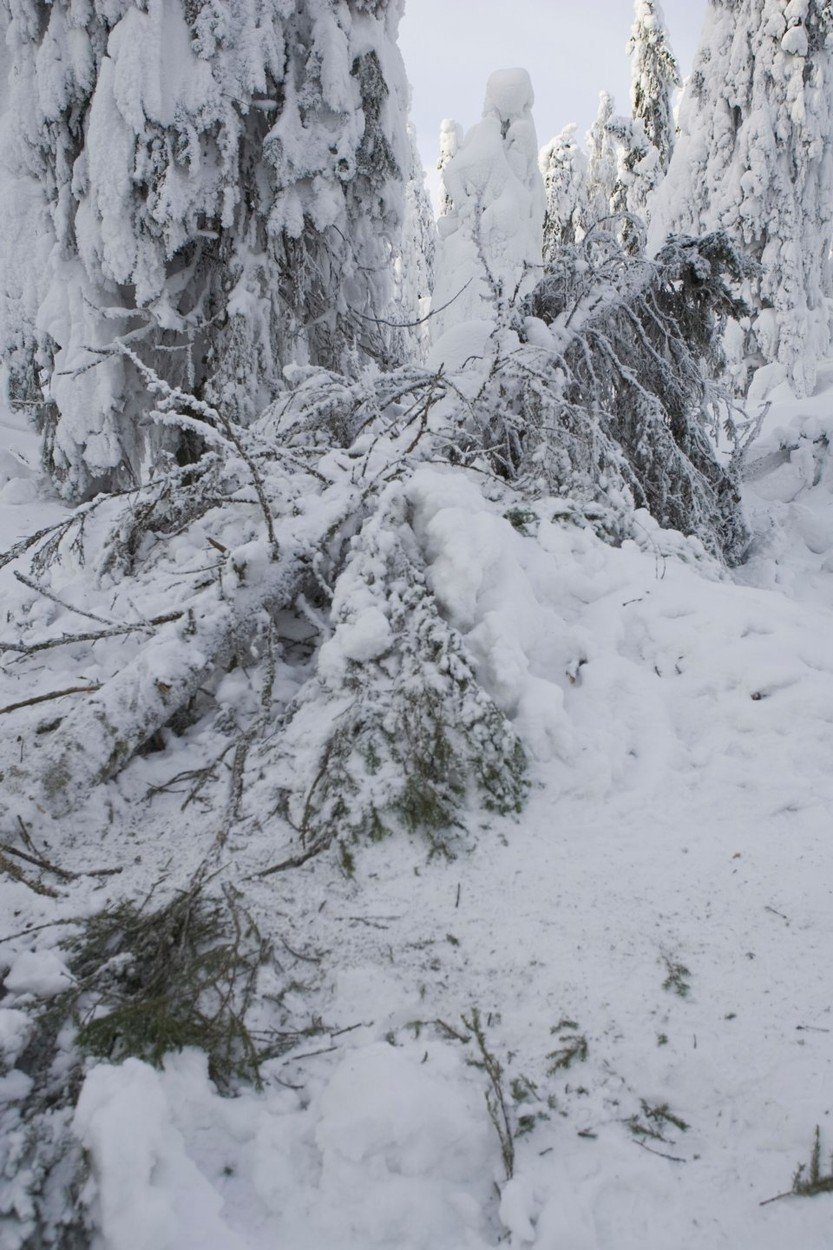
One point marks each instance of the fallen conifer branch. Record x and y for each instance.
(45, 698)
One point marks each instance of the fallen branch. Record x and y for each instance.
(17, 874)
(45, 698)
(64, 873)
(62, 603)
(115, 631)
(97, 739)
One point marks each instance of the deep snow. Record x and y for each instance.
(666, 897)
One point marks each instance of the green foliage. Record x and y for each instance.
(573, 1048)
(149, 981)
(408, 735)
(655, 1121)
(809, 1179)
(677, 980)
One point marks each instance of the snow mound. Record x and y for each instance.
(42, 973)
(391, 1151)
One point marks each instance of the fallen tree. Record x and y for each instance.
(596, 391)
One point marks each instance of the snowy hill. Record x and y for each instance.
(621, 998)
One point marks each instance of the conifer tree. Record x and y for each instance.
(654, 77)
(564, 170)
(451, 136)
(602, 164)
(638, 171)
(490, 243)
(755, 158)
(222, 187)
(414, 268)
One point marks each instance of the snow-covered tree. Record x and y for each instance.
(638, 170)
(755, 158)
(221, 185)
(564, 170)
(451, 136)
(395, 728)
(602, 163)
(655, 76)
(490, 243)
(414, 266)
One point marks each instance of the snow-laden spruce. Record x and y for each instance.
(602, 168)
(490, 252)
(646, 138)
(220, 183)
(451, 136)
(755, 158)
(655, 76)
(563, 167)
(415, 265)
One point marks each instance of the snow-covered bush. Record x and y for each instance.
(222, 183)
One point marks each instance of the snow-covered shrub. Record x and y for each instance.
(222, 183)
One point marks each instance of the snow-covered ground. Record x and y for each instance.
(647, 948)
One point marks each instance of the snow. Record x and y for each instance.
(490, 246)
(680, 724)
(390, 1151)
(15, 1027)
(602, 1023)
(150, 1194)
(42, 973)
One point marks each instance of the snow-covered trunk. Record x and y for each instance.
(220, 183)
(490, 251)
(755, 158)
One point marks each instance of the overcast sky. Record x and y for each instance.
(573, 49)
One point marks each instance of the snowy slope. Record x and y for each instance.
(647, 947)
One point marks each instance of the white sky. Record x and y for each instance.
(573, 49)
